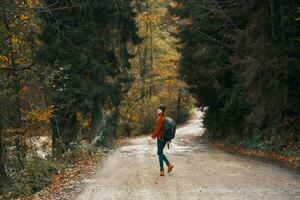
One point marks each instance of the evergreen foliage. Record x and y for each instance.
(87, 53)
(241, 60)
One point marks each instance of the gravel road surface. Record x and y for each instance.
(201, 172)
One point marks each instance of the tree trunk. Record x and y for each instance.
(70, 130)
(64, 131)
(124, 56)
(285, 89)
(143, 59)
(272, 18)
(16, 88)
(178, 106)
(55, 139)
(142, 73)
(115, 120)
(96, 120)
(20, 145)
(151, 87)
(3, 174)
(282, 13)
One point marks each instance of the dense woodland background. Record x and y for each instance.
(74, 75)
(242, 60)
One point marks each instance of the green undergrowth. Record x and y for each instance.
(38, 172)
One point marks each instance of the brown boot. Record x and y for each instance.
(162, 173)
(170, 167)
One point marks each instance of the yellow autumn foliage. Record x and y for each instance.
(14, 39)
(39, 115)
(175, 4)
(24, 17)
(86, 124)
(3, 58)
(14, 130)
(158, 83)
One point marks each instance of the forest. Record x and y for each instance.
(76, 75)
(242, 61)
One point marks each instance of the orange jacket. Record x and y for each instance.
(159, 126)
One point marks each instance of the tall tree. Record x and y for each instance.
(240, 61)
(87, 49)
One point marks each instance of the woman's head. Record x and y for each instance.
(161, 109)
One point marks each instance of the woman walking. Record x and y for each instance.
(161, 141)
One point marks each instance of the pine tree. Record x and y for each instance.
(240, 61)
(87, 50)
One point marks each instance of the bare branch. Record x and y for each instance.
(39, 10)
(20, 69)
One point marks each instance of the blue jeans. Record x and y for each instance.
(161, 143)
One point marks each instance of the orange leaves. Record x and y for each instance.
(39, 115)
(173, 29)
(185, 21)
(85, 123)
(146, 17)
(181, 22)
(24, 17)
(29, 3)
(166, 66)
(293, 161)
(78, 116)
(155, 68)
(3, 58)
(175, 4)
(3, 61)
(14, 130)
(169, 58)
(15, 40)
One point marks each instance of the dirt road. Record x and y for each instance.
(201, 172)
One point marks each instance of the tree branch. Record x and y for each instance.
(39, 10)
(21, 69)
